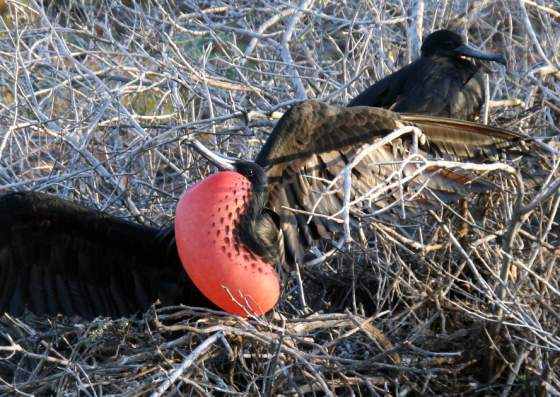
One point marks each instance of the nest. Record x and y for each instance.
(95, 99)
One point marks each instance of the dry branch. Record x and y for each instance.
(97, 99)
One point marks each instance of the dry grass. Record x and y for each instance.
(95, 98)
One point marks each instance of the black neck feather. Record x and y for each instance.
(258, 226)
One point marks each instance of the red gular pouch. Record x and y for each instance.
(218, 263)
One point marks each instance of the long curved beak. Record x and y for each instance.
(471, 52)
(222, 162)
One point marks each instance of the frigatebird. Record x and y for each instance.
(231, 229)
(442, 82)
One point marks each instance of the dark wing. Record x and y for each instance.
(445, 87)
(313, 143)
(59, 257)
(384, 93)
(460, 140)
(297, 175)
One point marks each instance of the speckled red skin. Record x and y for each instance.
(211, 253)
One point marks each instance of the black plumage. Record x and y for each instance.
(442, 82)
(59, 257)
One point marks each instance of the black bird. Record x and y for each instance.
(59, 257)
(442, 82)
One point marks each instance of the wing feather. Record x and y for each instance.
(58, 257)
(314, 141)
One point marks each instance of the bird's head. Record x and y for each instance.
(253, 172)
(446, 43)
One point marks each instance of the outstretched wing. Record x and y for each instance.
(59, 257)
(313, 143)
(466, 140)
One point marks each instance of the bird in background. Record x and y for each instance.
(233, 229)
(441, 82)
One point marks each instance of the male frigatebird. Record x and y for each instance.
(231, 229)
(442, 82)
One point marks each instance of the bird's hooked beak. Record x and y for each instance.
(468, 51)
(224, 163)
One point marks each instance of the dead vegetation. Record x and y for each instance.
(95, 97)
